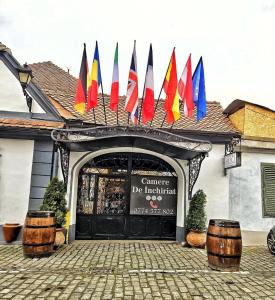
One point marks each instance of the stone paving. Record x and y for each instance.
(132, 270)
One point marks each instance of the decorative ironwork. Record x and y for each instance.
(85, 203)
(65, 156)
(194, 170)
(103, 132)
(129, 163)
(230, 147)
(111, 196)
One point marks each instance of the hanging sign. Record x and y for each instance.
(232, 160)
(153, 195)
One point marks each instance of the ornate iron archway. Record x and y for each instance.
(161, 141)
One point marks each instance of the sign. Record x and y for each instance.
(153, 195)
(232, 160)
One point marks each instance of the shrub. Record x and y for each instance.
(196, 218)
(54, 200)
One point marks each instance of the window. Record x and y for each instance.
(268, 189)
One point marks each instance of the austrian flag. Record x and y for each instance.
(186, 89)
(131, 102)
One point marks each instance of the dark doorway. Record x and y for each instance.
(120, 196)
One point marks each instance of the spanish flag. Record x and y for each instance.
(171, 104)
(81, 89)
(94, 81)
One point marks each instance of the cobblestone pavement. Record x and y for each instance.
(132, 270)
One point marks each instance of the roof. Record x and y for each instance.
(29, 123)
(238, 104)
(61, 86)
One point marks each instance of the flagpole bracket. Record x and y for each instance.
(194, 170)
(64, 158)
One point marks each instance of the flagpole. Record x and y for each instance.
(117, 113)
(156, 106)
(103, 100)
(141, 104)
(94, 116)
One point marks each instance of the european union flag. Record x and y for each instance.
(199, 90)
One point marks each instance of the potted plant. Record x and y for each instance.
(11, 231)
(54, 200)
(196, 221)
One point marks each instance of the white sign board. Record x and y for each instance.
(232, 160)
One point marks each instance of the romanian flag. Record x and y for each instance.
(186, 89)
(94, 81)
(81, 90)
(131, 101)
(115, 84)
(148, 100)
(171, 104)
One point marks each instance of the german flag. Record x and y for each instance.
(81, 90)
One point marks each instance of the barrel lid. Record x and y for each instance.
(224, 223)
(40, 213)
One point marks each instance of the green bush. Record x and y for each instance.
(54, 200)
(196, 218)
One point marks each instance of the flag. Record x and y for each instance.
(186, 89)
(148, 100)
(81, 89)
(199, 90)
(131, 102)
(171, 104)
(94, 81)
(115, 84)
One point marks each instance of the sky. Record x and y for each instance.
(236, 39)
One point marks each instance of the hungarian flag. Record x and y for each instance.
(171, 104)
(199, 90)
(148, 100)
(115, 84)
(94, 81)
(186, 89)
(131, 102)
(81, 89)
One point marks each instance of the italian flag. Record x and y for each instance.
(115, 84)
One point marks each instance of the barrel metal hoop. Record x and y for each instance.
(36, 226)
(224, 225)
(224, 236)
(38, 214)
(37, 245)
(223, 256)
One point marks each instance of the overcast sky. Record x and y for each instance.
(236, 39)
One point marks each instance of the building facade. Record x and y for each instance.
(123, 182)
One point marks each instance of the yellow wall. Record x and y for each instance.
(254, 121)
(238, 119)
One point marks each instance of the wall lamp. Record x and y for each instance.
(25, 76)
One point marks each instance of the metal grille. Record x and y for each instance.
(111, 196)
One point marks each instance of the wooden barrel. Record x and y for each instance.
(224, 245)
(39, 233)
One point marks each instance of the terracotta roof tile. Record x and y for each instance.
(27, 123)
(61, 86)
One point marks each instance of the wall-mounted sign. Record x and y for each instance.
(232, 160)
(153, 195)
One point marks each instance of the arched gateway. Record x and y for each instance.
(128, 182)
(126, 195)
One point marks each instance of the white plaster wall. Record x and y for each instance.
(12, 97)
(15, 177)
(246, 192)
(215, 184)
(78, 159)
